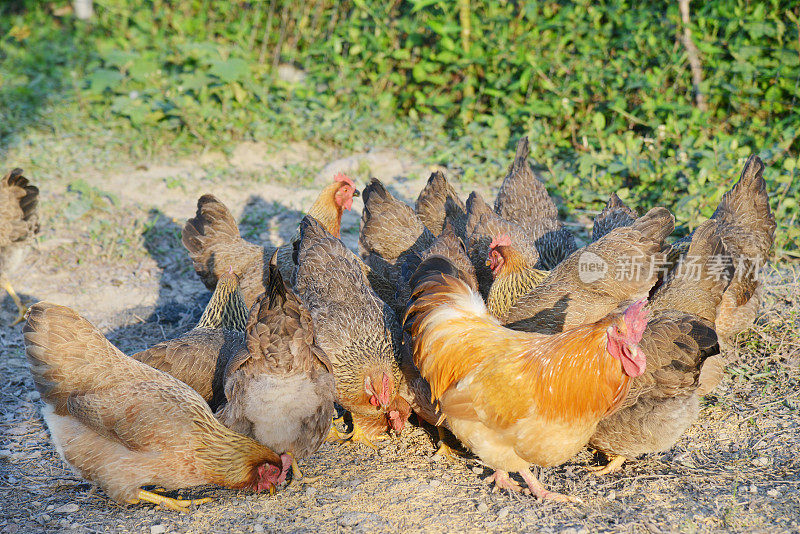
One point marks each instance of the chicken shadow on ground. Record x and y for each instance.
(182, 296)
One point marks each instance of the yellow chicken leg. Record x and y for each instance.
(358, 436)
(297, 475)
(178, 505)
(614, 465)
(22, 309)
(444, 450)
(334, 434)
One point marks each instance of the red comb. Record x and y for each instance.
(635, 318)
(502, 241)
(342, 177)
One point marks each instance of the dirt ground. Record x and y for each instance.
(120, 263)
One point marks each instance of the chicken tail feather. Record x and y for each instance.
(66, 354)
(207, 235)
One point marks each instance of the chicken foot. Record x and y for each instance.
(614, 465)
(22, 309)
(178, 505)
(297, 475)
(445, 450)
(357, 436)
(539, 491)
(503, 481)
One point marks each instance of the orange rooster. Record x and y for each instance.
(518, 398)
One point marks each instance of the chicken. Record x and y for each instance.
(198, 357)
(214, 244)
(523, 199)
(19, 223)
(621, 266)
(614, 215)
(390, 230)
(682, 352)
(483, 226)
(513, 278)
(518, 398)
(123, 425)
(280, 388)
(747, 228)
(437, 201)
(355, 328)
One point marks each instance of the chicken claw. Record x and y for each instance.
(503, 481)
(539, 491)
(178, 505)
(22, 309)
(614, 465)
(358, 436)
(445, 450)
(297, 475)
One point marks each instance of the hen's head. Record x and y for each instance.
(624, 337)
(497, 258)
(269, 476)
(345, 191)
(398, 412)
(379, 387)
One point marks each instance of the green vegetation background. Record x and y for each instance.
(603, 89)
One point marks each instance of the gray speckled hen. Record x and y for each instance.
(523, 199)
(356, 329)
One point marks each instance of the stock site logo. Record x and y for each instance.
(591, 267)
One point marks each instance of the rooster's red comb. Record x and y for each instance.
(342, 177)
(636, 320)
(502, 241)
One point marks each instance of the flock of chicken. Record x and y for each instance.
(489, 323)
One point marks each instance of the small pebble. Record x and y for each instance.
(49, 507)
(33, 395)
(258, 527)
(611, 495)
(44, 518)
(761, 461)
(35, 504)
(435, 483)
(583, 530)
(310, 492)
(773, 493)
(753, 488)
(158, 529)
(477, 470)
(503, 512)
(483, 507)
(5, 453)
(70, 508)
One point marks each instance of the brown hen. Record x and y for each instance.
(123, 425)
(19, 223)
(214, 244)
(682, 352)
(390, 230)
(280, 388)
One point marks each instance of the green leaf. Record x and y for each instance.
(230, 70)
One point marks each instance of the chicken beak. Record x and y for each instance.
(356, 193)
